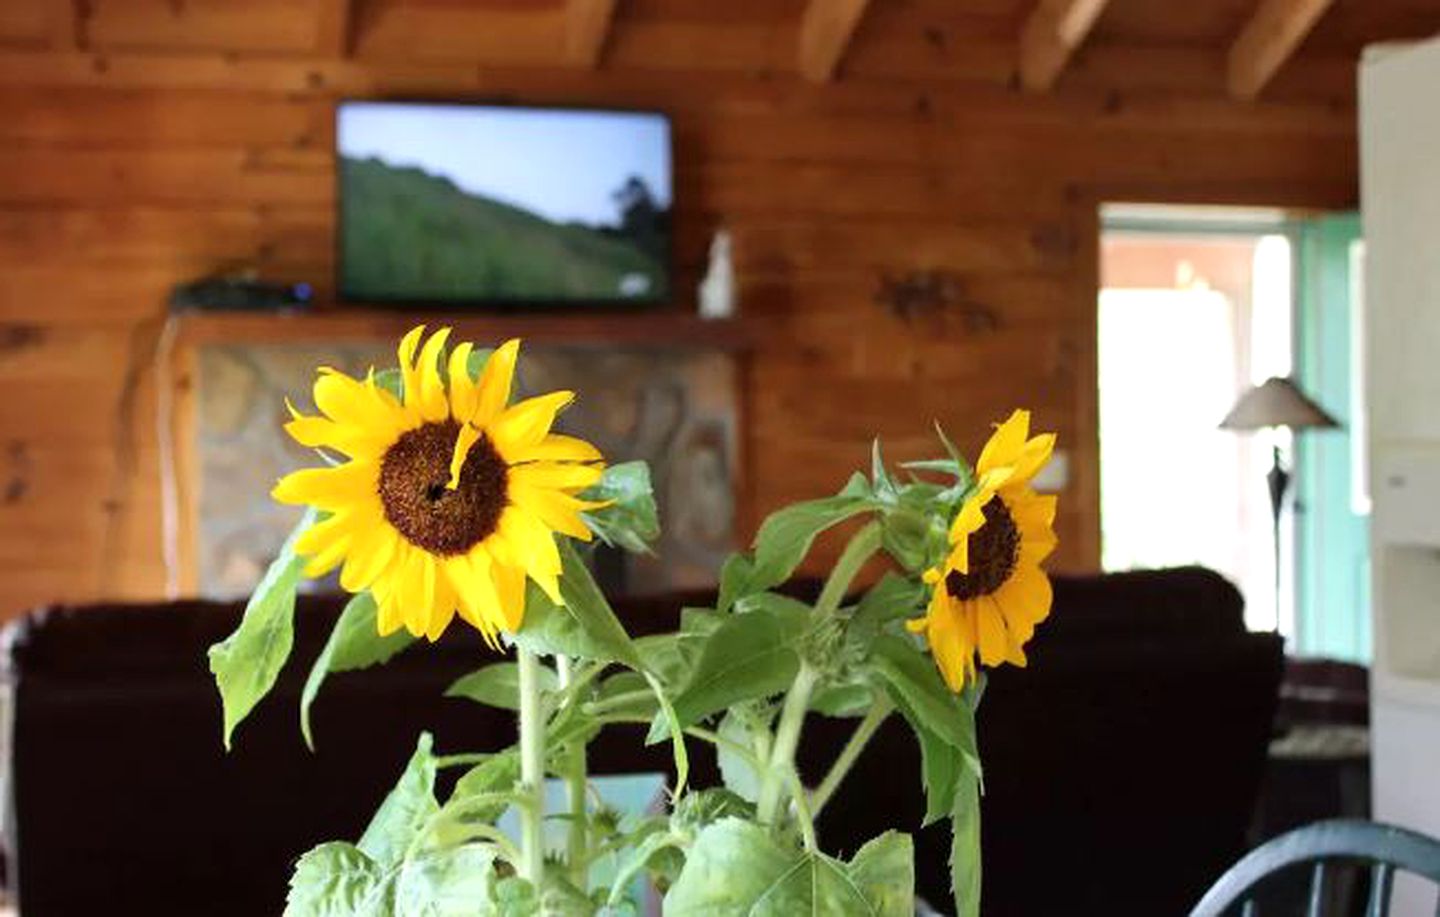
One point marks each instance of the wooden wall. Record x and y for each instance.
(149, 142)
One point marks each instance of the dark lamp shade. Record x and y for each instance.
(1276, 403)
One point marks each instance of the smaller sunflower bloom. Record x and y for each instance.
(451, 496)
(990, 592)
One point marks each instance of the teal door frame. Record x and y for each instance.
(1332, 558)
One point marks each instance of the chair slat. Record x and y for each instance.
(1249, 909)
(1381, 876)
(1317, 889)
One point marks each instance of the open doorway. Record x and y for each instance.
(1195, 305)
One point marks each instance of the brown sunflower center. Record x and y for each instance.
(413, 475)
(994, 551)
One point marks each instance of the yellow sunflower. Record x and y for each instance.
(990, 591)
(450, 496)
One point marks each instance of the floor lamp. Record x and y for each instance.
(1277, 403)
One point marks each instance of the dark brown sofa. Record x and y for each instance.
(1121, 768)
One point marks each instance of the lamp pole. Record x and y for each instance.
(1279, 480)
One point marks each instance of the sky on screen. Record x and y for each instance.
(563, 165)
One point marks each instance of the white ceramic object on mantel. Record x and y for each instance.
(717, 287)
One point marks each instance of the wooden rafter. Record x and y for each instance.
(1051, 35)
(335, 28)
(1268, 40)
(587, 25)
(825, 32)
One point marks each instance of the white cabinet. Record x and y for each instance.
(1400, 203)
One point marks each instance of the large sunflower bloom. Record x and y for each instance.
(450, 496)
(990, 591)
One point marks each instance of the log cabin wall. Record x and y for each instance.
(147, 142)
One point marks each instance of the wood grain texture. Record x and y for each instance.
(189, 137)
(1268, 39)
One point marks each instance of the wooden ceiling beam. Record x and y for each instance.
(587, 26)
(1051, 35)
(825, 33)
(335, 28)
(1267, 41)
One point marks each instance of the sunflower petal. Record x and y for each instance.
(951, 642)
(496, 379)
(557, 447)
(526, 423)
(463, 391)
(434, 406)
(990, 631)
(405, 353)
(1004, 445)
(388, 619)
(370, 557)
(469, 575)
(510, 585)
(534, 544)
(469, 435)
(358, 404)
(1033, 456)
(556, 510)
(340, 487)
(557, 476)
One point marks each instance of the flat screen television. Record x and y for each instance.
(495, 205)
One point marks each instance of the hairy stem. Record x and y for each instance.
(575, 777)
(874, 718)
(787, 739)
(532, 769)
(797, 700)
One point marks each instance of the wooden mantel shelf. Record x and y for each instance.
(638, 329)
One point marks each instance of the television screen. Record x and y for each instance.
(491, 204)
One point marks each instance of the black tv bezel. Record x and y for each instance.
(547, 305)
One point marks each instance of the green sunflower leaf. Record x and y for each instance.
(585, 625)
(884, 871)
(630, 521)
(337, 879)
(445, 883)
(880, 480)
(911, 678)
(391, 381)
(247, 663)
(498, 685)
(736, 867)
(735, 576)
(940, 767)
(748, 657)
(965, 847)
(355, 643)
(785, 538)
(405, 810)
(497, 774)
(893, 598)
(737, 770)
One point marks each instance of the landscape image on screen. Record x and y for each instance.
(467, 203)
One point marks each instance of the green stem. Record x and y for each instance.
(874, 718)
(805, 815)
(787, 739)
(575, 773)
(532, 769)
(797, 700)
(859, 550)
